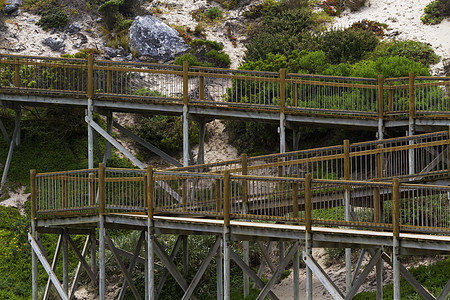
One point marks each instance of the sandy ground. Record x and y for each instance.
(403, 18)
(17, 199)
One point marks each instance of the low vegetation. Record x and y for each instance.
(435, 12)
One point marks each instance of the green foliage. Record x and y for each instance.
(355, 5)
(373, 26)
(432, 277)
(345, 45)
(53, 19)
(432, 15)
(214, 13)
(8, 216)
(282, 33)
(416, 51)
(333, 7)
(247, 137)
(205, 53)
(261, 9)
(165, 132)
(389, 67)
(229, 4)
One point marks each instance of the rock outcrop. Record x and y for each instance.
(154, 40)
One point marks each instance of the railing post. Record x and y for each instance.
(17, 74)
(282, 90)
(33, 191)
(376, 203)
(217, 194)
(308, 203)
(185, 83)
(65, 190)
(92, 191)
(201, 86)
(244, 183)
(396, 207)
(109, 81)
(90, 83)
(412, 105)
(226, 198)
(346, 160)
(101, 189)
(184, 196)
(150, 189)
(380, 106)
(295, 188)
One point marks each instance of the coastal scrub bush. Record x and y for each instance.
(417, 51)
(366, 25)
(261, 9)
(395, 66)
(333, 7)
(214, 13)
(432, 15)
(205, 53)
(347, 45)
(55, 18)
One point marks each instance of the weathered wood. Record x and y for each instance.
(82, 260)
(54, 262)
(47, 267)
(266, 255)
(122, 267)
(165, 274)
(76, 277)
(357, 284)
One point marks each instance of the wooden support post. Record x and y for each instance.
(150, 288)
(5, 133)
(201, 86)
(295, 94)
(65, 264)
(185, 83)
(396, 268)
(90, 83)
(245, 244)
(185, 255)
(308, 241)
(185, 136)
(33, 191)
(412, 105)
(17, 118)
(109, 81)
(16, 74)
(201, 143)
(380, 106)
(109, 126)
(283, 90)
(296, 267)
(90, 136)
(379, 277)
(93, 240)
(226, 235)
(295, 191)
(10, 153)
(219, 270)
(396, 207)
(282, 132)
(101, 231)
(376, 203)
(34, 266)
(348, 251)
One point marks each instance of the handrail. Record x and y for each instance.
(349, 97)
(403, 207)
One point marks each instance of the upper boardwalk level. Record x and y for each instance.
(223, 93)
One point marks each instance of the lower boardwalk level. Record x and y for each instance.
(294, 237)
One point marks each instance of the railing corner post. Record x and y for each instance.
(282, 90)
(396, 207)
(380, 96)
(90, 83)
(308, 203)
(33, 193)
(185, 83)
(150, 188)
(412, 105)
(226, 198)
(101, 189)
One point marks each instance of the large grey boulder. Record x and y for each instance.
(154, 40)
(54, 44)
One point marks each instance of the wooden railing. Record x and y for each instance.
(417, 157)
(313, 202)
(349, 97)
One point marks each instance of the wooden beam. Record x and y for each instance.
(163, 277)
(201, 270)
(36, 249)
(78, 271)
(322, 276)
(81, 259)
(266, 255)
(55, 260)
(122, 267)
(363, 276)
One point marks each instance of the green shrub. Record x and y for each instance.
(346, 45)
(221, 59)
(432, 15)
(53, 19)
(389, 67)
(333, 7)
(165, 132)
(214, 13)
(355, 5)
(281, 34)
(190, 58)
(197, 43)
(205, 53)
(373, 26)
(261, 9)
(247, 137)
(8, 216)
(416, 51)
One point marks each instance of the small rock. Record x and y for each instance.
(129, 57)
(393, 19)
(10, 8)
(110, 52)
(15, 2)
(83, 38)
(76, 45)
(120, 50)
(98, 20)
(54, 44)
(73, 28)
(32, 20)
(64, 37)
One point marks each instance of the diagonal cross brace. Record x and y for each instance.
(266, 256)
(78, 270)
(55, 260)
(322, 276)
(171, 267)
(279, 271)
(163, 277)
(47, 267)
(81, 259)
(202, 269)
(250, 273)
(122, 267)
(364, 274)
